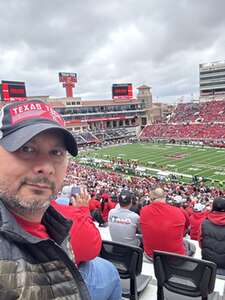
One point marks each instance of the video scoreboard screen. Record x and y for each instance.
(122, 91)
(13, 91)
(67, 77)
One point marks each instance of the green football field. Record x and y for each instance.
(189, 160)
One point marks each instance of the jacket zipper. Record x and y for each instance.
(74, 270)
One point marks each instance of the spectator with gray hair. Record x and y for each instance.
(163, 226)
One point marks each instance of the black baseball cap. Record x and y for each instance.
(125, 197)
(218, 204)
(20, 121)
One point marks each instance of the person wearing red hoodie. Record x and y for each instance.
(84, 248)
(94, 205)
(188, 206)
(196, 219)
(100, 276)
(179, 202)
(106, 205)
(100, 214)
(212, 235)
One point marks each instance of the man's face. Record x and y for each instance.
(32, 175)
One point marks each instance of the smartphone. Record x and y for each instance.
(75, 190)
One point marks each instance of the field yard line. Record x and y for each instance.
(207, 168)
(219, 161)
(214, 166)
(159, 160)
(195, 164)
(159, 153)
(204, 171)
(211, 167)
(200, 154)
(186, 161)
(155, 156)
(175, 173)
(156, 153)
(194, 146)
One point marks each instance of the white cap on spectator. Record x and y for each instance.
(178, 199)
(198, 207)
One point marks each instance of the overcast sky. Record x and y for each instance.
(159, 43)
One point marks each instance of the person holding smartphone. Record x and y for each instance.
(100, 276)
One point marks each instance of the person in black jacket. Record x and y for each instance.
(212, 236)
(36, 259)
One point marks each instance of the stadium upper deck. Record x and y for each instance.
(191, 121)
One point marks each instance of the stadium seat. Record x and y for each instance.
(182, 275)
(128, 261)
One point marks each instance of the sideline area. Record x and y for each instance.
(147, 269)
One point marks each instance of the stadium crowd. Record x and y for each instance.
(211, 111)
(199, 131)
(132, 205)
(192, 121)
(156, 214)
(100, 181)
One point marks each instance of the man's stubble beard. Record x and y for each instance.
(27, 205)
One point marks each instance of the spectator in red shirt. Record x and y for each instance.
(196, 219)
(189, 207)
(106, 205)
(179, 202)
(162, 226)
(93, 204)
(84, 248)
(100, 214)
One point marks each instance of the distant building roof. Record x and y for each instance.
(143, 87)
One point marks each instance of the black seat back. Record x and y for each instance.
(183, 275)
(126, 258)
(128, 261)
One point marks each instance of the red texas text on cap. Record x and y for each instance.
(34, 110)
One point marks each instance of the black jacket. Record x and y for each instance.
(213, 238)
(38, 269)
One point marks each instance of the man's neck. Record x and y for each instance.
(31, 217)
(126, 207)
(159, 200)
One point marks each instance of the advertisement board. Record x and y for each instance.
(13, 91)
(122, 91)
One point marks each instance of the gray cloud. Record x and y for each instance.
(155, 42)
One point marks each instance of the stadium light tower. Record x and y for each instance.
(68, 80)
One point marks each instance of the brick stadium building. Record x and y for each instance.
(95, 121)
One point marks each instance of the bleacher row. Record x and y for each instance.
(204, 131)
(213, 111)
(191, 121)
(88, 137)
